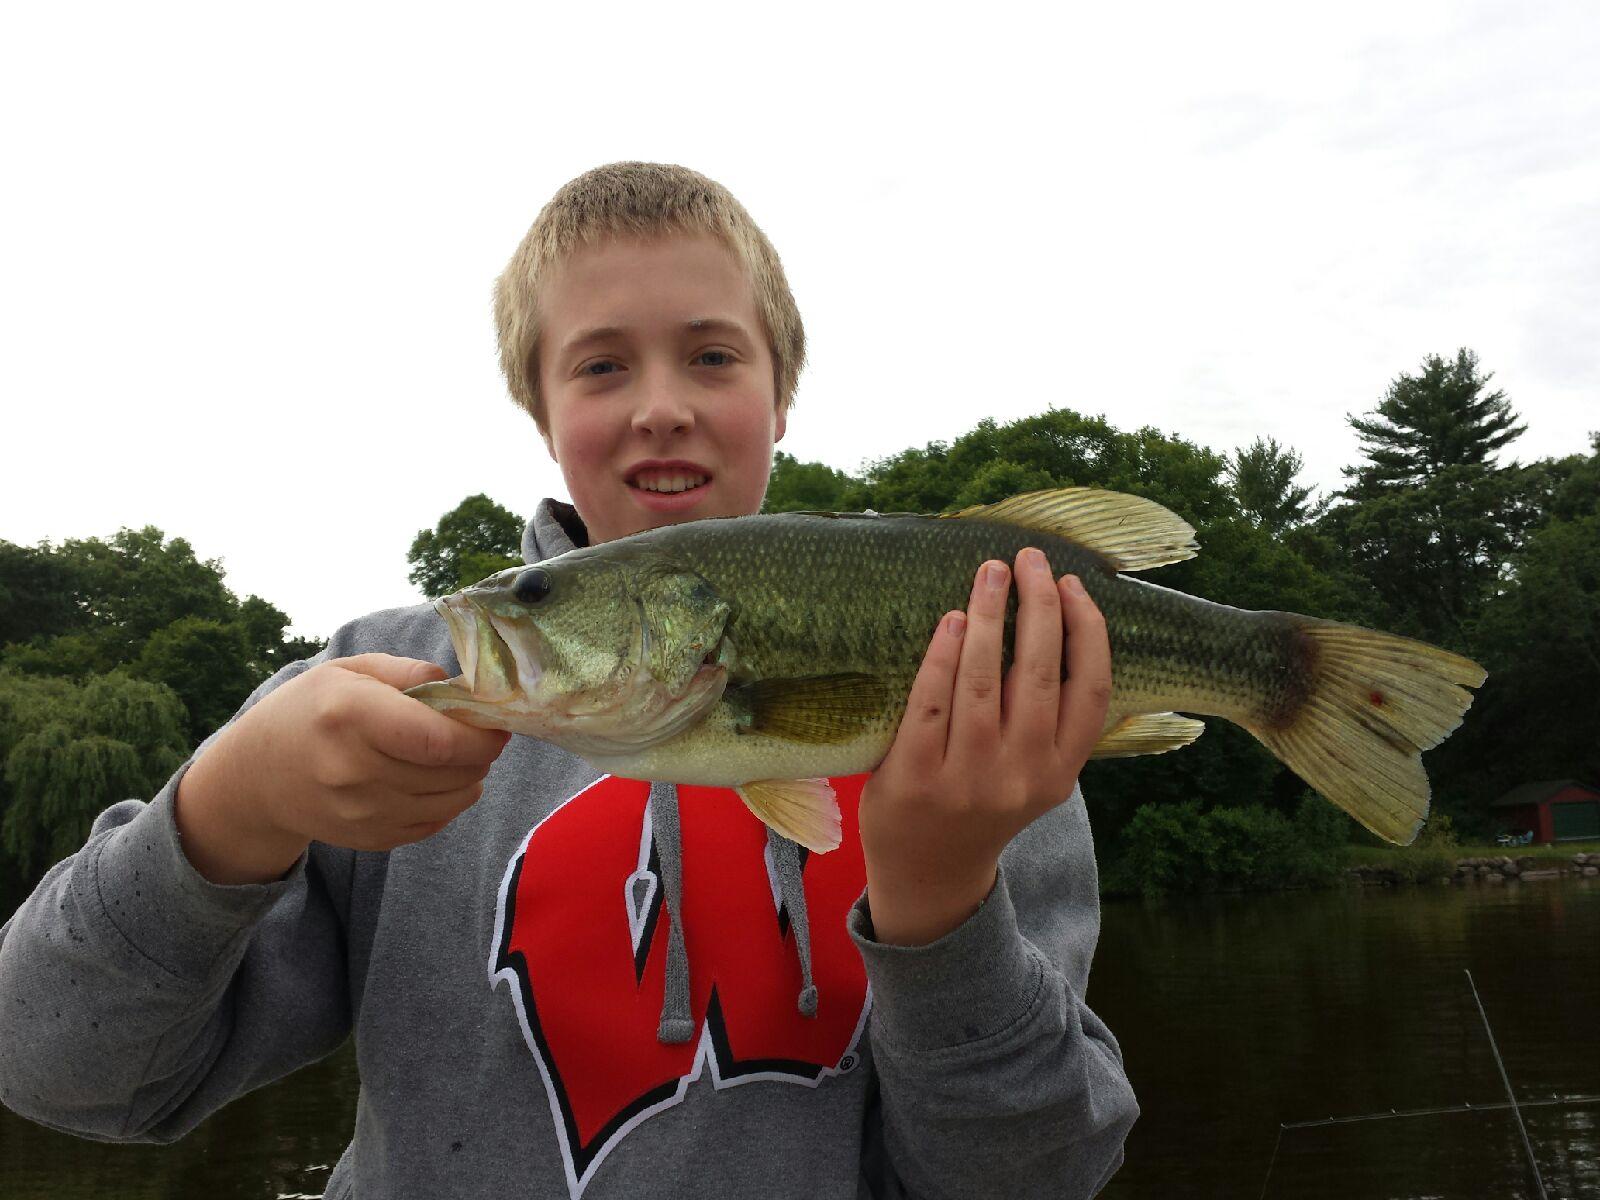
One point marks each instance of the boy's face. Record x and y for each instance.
(657, 382)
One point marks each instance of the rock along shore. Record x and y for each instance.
(1493, 869)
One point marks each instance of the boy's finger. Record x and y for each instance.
(411, 779)
(1086, 694)
(398, 673)
(926, 725)
(440, 807)
(401, 728)
(975, 721)
(1033, 685)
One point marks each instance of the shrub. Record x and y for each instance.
(1164, 848)
(1251, 847)
(1433, 853)
(1179, 848)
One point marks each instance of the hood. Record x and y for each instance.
(555, 528)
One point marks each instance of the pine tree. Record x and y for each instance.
(1263, 478)
(1430, 422)
(1434, 520)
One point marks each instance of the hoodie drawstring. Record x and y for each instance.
(786, 860)
(677, 1025)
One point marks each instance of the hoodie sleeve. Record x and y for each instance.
(996, 1077)
(136, 997)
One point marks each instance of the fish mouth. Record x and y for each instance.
(495, 660)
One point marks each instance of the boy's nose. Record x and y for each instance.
(664, 411)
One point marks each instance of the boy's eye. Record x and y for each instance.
(722, 357)
(600, 367)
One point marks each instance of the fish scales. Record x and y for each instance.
(826, 594)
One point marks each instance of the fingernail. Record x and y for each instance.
(1033, 559)
(1074, 585)
(956, 623)
(994, 575)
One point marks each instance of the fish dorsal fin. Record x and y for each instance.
(1132, 533)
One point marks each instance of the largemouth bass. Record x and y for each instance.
(762, 653)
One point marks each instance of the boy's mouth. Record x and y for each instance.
(668, 478)
(668, 483)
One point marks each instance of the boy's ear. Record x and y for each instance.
(549, 446)
(779, 428)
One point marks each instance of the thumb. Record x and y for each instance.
(398, 673)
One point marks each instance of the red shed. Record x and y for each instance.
(1557, 810)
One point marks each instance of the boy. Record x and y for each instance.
(341, 858)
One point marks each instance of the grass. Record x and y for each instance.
(1559, 852)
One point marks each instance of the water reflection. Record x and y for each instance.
(281, 1141)
(1235, 1014)
(1238, 1013)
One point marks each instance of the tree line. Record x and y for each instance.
(120, 654)
(117, 656)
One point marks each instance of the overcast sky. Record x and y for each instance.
(246, 260)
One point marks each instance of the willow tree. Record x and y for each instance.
(68, 751)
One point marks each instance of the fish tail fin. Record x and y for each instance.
(1373, 704)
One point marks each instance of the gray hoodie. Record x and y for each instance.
(582, 987)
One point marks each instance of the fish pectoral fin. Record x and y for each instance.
(1147, 733)
(803, 810)
(816, 710)
(1130, 532)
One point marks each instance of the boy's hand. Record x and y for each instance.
(976, 761)
(336, 755)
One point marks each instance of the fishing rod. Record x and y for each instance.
(1395, 1114)
(1392, 1114)
(1533, 1165)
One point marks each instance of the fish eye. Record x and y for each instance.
(532, 586)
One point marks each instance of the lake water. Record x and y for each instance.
(1235, 1014)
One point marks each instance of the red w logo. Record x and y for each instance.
(581, 939)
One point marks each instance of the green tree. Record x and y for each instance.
(797, 486)
(1431, 521)
(72, 655)
(69, 750)
(139, 581)
(1263, 479)
(471, 541)
(1536, 716)
(38, 594)
(265, 630)
(1431, 422)
(1435, 552)
(208, 664)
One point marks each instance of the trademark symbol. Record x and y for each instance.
(847, 1063)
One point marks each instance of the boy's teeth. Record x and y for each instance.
(669, 483)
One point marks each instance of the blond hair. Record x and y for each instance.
(643, 200)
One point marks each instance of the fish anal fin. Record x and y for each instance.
(1147, 733)
(816, 710)
(1130, 532)
(802, 810)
